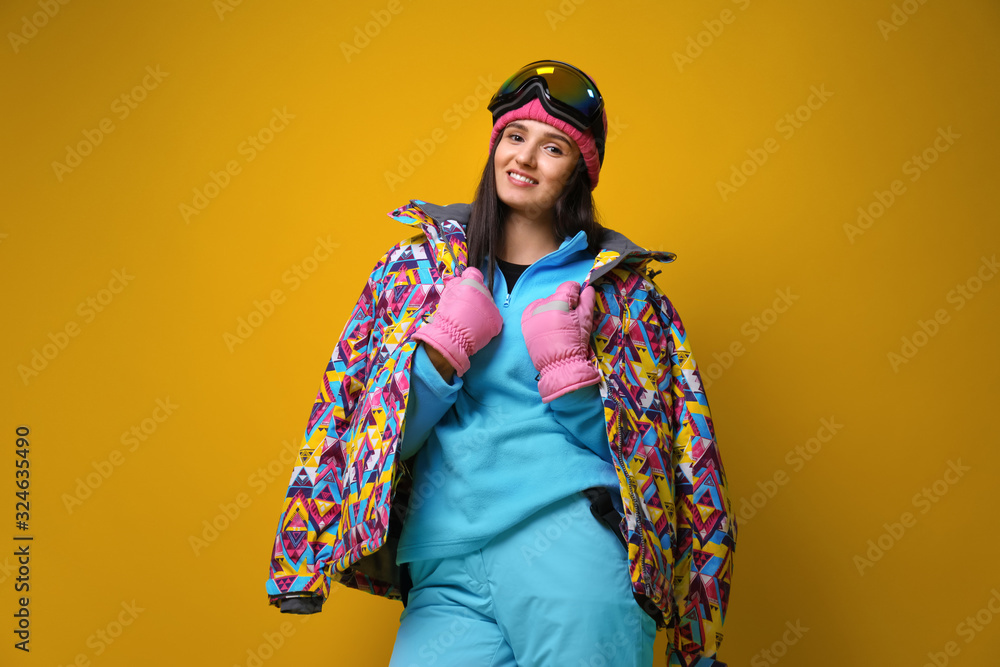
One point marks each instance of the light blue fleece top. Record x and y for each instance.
(489, 452)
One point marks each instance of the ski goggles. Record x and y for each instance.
(564, 91)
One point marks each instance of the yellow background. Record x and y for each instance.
(681, 128)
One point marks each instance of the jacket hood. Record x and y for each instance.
(615, 247)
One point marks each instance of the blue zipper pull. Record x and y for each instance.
(506, 301)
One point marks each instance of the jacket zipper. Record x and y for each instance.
(455, 270)
(633, 494)
(618, 436)
(520, 279)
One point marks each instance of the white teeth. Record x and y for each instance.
(522, 178)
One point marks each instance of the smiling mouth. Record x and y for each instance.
(522, 179)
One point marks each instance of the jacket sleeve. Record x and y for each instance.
(430, 397)
(308, 523)
(706, 523)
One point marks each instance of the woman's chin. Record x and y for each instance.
(519, 200)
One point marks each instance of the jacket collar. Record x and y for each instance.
(445, 226)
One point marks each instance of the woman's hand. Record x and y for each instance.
(557, 332)
(466, 320)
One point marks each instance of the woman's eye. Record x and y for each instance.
(557, 150)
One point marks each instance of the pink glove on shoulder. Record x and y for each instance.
(466, 319)
(557, 332)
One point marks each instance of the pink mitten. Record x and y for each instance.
(557, 333)
(466, 319)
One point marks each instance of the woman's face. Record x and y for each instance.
(546, 155)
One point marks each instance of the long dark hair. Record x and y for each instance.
(574, 210)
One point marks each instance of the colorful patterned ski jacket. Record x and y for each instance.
(348, 491)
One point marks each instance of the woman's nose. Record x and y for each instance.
(526, 155)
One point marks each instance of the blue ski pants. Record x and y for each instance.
(551, 590)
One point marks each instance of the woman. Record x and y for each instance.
(550, 505)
